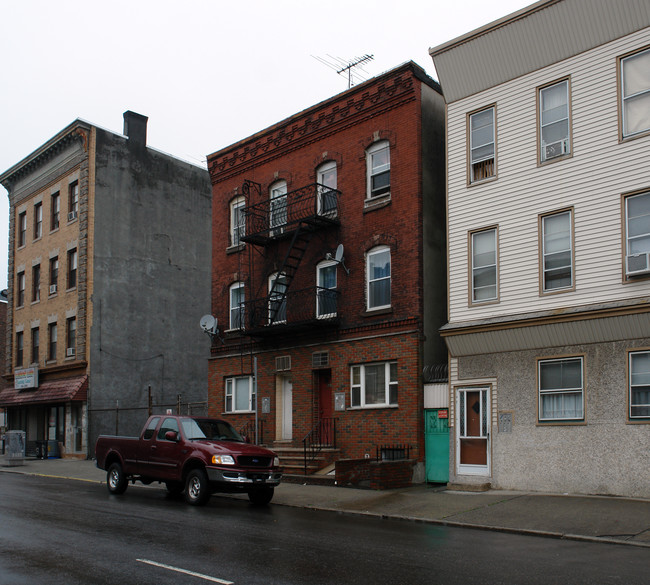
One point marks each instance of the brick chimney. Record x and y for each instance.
(135, 127)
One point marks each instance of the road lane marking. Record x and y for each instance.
(185, 572)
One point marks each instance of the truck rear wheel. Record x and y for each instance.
(197, 489)
(116, 481)
(261, 496)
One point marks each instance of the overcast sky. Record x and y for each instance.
(207, 73)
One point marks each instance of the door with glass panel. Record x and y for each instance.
(473, 431)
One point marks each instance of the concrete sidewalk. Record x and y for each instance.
(591, 518)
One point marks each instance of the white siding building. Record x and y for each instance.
(548, 158)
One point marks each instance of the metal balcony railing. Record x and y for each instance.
(315, 205)
(275, 313)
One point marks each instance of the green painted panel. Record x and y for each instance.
(436, 444)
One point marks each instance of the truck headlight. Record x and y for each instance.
(276, 461)
(223, 460)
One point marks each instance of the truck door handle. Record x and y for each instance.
(154, 447)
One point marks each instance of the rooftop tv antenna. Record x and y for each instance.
(351, 67)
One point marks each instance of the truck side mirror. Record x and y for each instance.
(171, 436)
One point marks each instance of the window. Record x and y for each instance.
(38, 220)
(378, 278)
(20, 289)
(169, 424)
(484, 265)
(560, 389)
(54, 274)
(35, 344)
(36, 283)
(151, 428)
(639, 380)
(635, 93)
(22, 229)
(52, 335)
(72, 268)
(373, 385)
(237, 221)
(73, 200)
(19, 348)
(637, 234)
(378, 169)
(278, 207)
(277, 299)
(482, 145)
(240, 396)
(557, 251)
(71, 337)
(554, 120)
(55, 209)
(237, 298)
(327, 196)
(326, 296)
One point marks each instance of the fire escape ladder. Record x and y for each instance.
(278, 291)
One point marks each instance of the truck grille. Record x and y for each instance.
(254, 461)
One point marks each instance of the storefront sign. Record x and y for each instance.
(26, 378)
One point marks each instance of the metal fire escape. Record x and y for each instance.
(294, 217)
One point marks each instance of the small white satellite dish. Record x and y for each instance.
(338, 256)
(208, 323)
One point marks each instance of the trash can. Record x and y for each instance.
(15, 447)
(52, 450)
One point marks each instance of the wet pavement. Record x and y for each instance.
(589, 518)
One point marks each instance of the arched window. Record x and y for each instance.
(326, 296)
(378, 169)
(237, 299)
(278, 207)
(378, 276)
(237, 221)
(327, 195)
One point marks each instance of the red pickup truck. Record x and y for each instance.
(191, 455)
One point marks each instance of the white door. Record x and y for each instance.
(473, 431)
(287, 408)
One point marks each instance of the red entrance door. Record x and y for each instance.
(324, 382)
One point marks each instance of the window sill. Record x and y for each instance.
(481, 181)
(374, 407)
(375, 312)
(235, 249)
(228, 412)
(561, 423)
(375, 203)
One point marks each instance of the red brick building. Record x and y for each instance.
(328, 270)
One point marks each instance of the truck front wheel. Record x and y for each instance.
(197, 490)
(116, 481)
(261, 496)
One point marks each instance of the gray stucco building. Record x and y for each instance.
(109, 274)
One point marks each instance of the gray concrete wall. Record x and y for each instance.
(151, 278)
(603, 455)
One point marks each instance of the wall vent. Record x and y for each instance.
(283, 363)
(320, 359)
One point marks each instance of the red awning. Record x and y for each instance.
(53, 391)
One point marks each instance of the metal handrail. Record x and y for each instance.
(322, 435)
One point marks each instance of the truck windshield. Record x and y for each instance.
(213, 430)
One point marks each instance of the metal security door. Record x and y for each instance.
(436, 444)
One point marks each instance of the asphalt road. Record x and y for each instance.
(67, 532)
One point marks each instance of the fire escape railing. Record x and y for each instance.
(272, 218)
(309, 305)
(321, 436)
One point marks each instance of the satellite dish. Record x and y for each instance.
(208, 323)
(338, 256)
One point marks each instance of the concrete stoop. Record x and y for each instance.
(469, 487)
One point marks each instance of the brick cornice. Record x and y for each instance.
(313, 123)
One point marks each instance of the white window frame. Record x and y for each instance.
(375, 168)
(278, 207)
(560, 391)
(236, 314)
(483, 159)
(550, 253)
(477, 269)
(371, 282)
(273, 298)
(637, 230)
(359, 377)
(237, 221)
(638, 379)
(553, 149)
(635, 96)
(326, 177)
(323, 294)
(232, 386)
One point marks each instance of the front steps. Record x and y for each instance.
(292, 461)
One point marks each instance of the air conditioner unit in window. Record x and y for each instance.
(72, 215)
(69, 352)
(637, 264)
(53, 289)
(554, 149)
